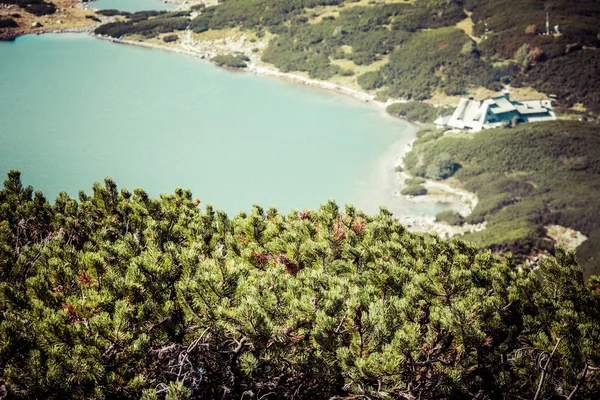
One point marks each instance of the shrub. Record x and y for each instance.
(442, 167)
(120, 296)
(140, 24)
(415, 111)
(40, 9)
(414, 190)
(35, 7)
(231, 61)
(450, 217)
(112, 13)
(8, 23)
(370, 80)
(170, 38)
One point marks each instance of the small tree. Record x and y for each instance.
(370, 80)
(442, 167)
(523, 57)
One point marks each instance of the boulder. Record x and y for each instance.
(36, 24)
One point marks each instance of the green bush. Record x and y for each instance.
(370, 80)
(230, 60)
(170, 38)
(441, 167)
(140, 24)
(416, 111)
(36, 7)
(112, 13)
(93, 18)
(8, 23)
(414, 190)
(450, 217)
(120, 295)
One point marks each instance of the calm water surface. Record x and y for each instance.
(74, 110)
(132, 5)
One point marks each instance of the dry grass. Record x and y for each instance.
(218, 34)
(322, 14)
(361, 69)
(350, 81)
(440, 98)
(347, 81)
(334, 11)
(481, 93)
(579, 107)
(466, 25)
(526, 93)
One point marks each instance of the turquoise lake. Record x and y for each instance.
(132, 5)
(75, 109)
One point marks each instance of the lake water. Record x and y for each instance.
(75, 109)
(132, 5)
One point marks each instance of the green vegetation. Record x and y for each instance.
(516, 23)
(560, 65)
(231, 61)
(35, 7)
(93, 18)
(170, 38)
(118, 295)
(573, 78)
(431, 50)
(450, 217)
(112, 12)
(310, 48)
(254, 13)
(8, 23)
(416, 111)
(370, 80)
(414, 190)
(525, 178)
(146, 23)
(414, 181)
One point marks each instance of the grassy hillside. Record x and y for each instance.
(526, 178)
(118, 295)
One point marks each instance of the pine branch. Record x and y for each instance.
(544, 371)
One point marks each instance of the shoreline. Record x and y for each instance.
(462, 200)
(259, 71)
